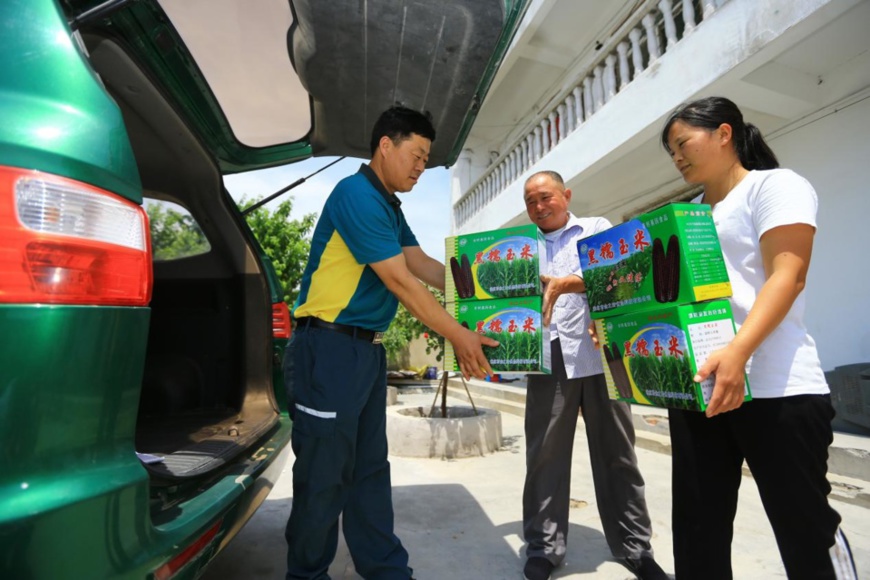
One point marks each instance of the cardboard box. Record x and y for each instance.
(667, 256)
(501, 263)
(650, 357)
(524, 344)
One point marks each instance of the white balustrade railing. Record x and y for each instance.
(647, 35)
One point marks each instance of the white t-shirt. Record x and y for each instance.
(787, 362)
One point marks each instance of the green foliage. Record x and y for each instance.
(406, 328)
(500, 278)
(174, 234)
(287, 242)
(603, 286)
(654, 374)
(515, 350)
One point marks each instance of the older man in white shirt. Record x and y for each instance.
(553, 402)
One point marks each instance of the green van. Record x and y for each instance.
(142, 416)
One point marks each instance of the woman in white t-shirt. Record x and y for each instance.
(766, 220)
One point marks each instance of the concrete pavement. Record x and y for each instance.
(848, 456)
(461, 519)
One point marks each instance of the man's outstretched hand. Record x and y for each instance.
(468, 347)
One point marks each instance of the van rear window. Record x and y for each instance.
(174, 232)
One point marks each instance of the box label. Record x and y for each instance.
(524, 345)
(495, 264)
(707, 337)
(651, 357)
(667, 256)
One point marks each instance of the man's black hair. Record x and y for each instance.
(399, 123)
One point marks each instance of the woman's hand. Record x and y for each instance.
(728, 365)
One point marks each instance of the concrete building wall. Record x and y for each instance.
(414, 357)
(741, 37)
(832, 150)
(799, 69)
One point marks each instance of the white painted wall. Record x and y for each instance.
(748, 33)
(833, 152)
(607, 157)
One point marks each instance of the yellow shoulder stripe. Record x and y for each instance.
(334, 282)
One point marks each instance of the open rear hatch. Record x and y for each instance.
(210, 87)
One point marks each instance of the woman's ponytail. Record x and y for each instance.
(754, 152)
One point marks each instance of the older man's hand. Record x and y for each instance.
(593, 333)
(555, 287)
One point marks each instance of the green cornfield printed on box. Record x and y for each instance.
(517, 351)
(508, 278)
(603, 284)
(655, 375)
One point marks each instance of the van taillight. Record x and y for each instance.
(67, 242)
(168, 570)
(280, 320)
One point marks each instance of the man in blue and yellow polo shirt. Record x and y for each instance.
(364, 261)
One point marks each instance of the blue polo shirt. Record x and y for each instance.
(361, 223)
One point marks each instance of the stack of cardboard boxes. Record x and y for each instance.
(655, 286)
(493, 287)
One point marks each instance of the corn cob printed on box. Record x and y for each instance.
(524, 343)
(495, 264)
(667, 256)
(650, 357)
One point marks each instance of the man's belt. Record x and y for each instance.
(354, 331)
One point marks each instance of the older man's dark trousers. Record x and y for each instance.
(337, 390)
(552, 405)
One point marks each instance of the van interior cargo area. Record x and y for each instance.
(207, 387)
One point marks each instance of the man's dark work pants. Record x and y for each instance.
(337, 393)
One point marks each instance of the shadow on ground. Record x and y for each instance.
(446, 531)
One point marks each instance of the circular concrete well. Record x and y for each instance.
(411, 432)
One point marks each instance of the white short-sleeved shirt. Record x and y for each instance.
(787, 362)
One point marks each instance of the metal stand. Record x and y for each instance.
(442, 389)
